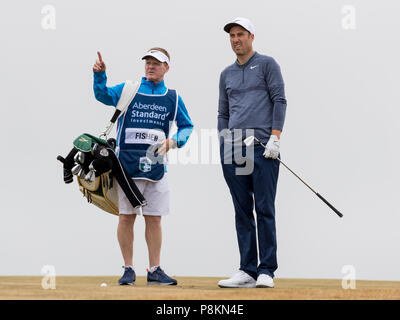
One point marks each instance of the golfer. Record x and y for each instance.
(251, 96)
(145, 124)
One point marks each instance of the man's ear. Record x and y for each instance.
(166, 67)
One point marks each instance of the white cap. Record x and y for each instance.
(243, 22)
(160, 56)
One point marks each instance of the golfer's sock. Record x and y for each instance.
(129, 267)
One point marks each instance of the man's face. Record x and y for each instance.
(155, 70)
(241, 40)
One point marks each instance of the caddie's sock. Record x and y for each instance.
(152, 269)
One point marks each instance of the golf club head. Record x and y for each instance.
(249, 141)
(76, 157)
(75, 170)
(81, 174)
(79, 157)
(90, 177)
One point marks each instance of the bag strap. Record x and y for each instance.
(128, 93)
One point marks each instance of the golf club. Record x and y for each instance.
(250, 140)
(75, 170)
(82, 173)
(90, 177)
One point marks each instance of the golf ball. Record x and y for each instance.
(103, 285)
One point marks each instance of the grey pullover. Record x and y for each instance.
(252, 96)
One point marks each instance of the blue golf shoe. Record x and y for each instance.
(128, 278)
(160, 278)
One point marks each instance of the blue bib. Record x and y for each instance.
(145, 123)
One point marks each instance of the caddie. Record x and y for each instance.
(143, 139)
(251, 96)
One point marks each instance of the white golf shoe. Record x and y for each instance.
(239, 280)
(264, 281)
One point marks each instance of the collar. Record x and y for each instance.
(151, 84)
(248, 61)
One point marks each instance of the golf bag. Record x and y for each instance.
(98, 169)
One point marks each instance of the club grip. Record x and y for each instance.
(329, 205)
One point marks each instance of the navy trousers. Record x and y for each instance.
(255, 190)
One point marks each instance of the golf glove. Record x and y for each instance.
(272, 148)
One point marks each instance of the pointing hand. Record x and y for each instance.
(99, 65)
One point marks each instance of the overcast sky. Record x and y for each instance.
(340, 64)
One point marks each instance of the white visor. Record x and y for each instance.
(158, 55)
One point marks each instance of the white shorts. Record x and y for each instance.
(155, 192)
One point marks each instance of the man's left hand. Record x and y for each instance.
(165, 146)
(272, 148)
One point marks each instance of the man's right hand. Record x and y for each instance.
(99, 66)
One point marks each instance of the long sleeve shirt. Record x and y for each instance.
(111, 95)
(252, 96)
